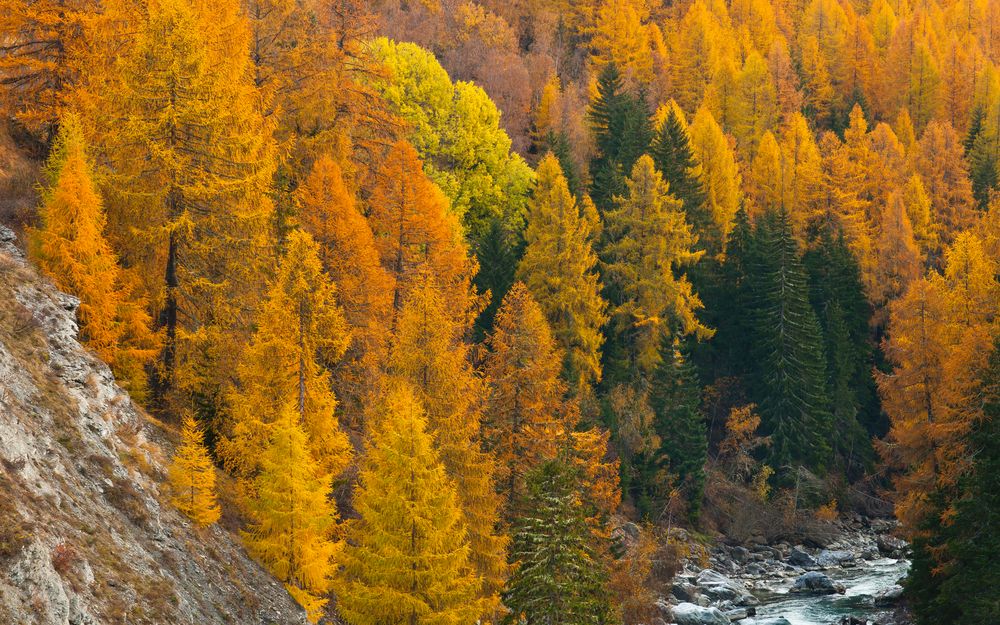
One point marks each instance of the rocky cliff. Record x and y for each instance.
(87, 535)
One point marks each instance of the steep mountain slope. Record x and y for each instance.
(87, 536)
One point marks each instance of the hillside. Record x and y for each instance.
(86, 536)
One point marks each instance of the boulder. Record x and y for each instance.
(684, 591)
(828, 558)
(816, 583)
(721, 588)
(691, 614)
(798, 557)
(889, 596)
(890, 546)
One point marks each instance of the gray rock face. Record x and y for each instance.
(88, 539)
(816, 583)
(721, 588)
(691, 614)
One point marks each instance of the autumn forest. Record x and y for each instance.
(438, 296)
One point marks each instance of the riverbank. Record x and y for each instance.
(853, 578)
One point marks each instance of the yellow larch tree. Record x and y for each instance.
(190, 159)
(621, 36)
(293, 530)
(559, 268)
(328, 211)
(765, 181)
(192, 476)
(525, 414)
(899, 257)
(938, 159)
(300, 330)
(648, 244)
(757, 102)
(416, 233)
(802, 173)
(406, 558)
(69, 246)
(430, 356)
(528, 418)
(720, 177)
(43, 47)
(915, 393)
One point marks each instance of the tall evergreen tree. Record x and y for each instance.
(789, 364)
(675, 397)
(674, 159)
(837, 295)
(559, 579)
(622, 132)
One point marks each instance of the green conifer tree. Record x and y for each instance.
(622, 131)
(789, 375)
(559, 579)
(674, 159)
(675, 397)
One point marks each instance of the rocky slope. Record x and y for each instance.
(87, 535)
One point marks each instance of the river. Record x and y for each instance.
(863, 582)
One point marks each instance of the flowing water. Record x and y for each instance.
(863, 583)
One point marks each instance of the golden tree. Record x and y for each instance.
(649, 242)
(300, 329)
(69, 247)
(292, 520)
(406, 559)
(327, 210)
(558, 267)
(430, 356)
(415, 232)
(190, 160)
(192, 476)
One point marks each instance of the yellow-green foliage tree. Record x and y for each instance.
(292, 521)
(406, 559)
(299, 330)
(69, 246)
(649, 242)
(192, 476)
(559, 268)
(431, 357)
(190, 159)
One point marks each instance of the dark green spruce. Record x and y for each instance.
(559, 579)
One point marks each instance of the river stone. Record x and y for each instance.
(721, 588)
(827, 558)
(691, 614)
(889, 596)
(891, 546)
(774, 620)
(816, 583)
(798, 557)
